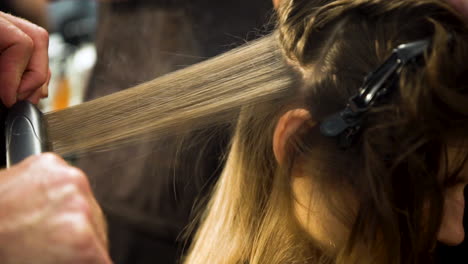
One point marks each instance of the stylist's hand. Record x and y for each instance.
(48, 215)
(24, 61)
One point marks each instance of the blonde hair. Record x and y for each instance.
(202, 96)
(250, 217)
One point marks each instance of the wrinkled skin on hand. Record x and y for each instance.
(48, 215)
(24, 60)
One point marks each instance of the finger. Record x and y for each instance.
(35, 97)
(84, 203)
(103, 251)
(100, 223)
(23, 96)
(70, 196)
(45, 91)
(16, 49)
(32, 96)
(95, 214)
(37, 70)
(46, 162)
(45, 87)
(85, 248)
(90, 205)
(43, 94)
(99, 255)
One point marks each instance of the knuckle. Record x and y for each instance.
(81, 233)
(42, 34)
(33, 159)
(40, 169)
(45, 158)
(80, 204)
(27, 43)
(17, 36)
(76, 177)
(59, 172)
(48, 159)
(41, 77)
(14, 33)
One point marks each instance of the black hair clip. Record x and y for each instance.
(346, 124)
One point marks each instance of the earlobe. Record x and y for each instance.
(286, 127)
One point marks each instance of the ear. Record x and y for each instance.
(286, 127)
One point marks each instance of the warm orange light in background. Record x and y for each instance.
(62, 96)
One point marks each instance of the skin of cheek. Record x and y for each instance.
(317, 220)
(313, 215)
(451, 230)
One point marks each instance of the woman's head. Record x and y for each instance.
(288, 194)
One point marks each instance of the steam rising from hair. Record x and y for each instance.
(201, 96)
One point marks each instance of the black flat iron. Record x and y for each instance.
(24, 133)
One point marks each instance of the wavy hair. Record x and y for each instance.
(316, 59)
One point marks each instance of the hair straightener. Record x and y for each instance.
(24, 133)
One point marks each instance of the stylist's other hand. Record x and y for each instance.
(48, 215)
(24, 60)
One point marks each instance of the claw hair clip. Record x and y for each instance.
(346, 124)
